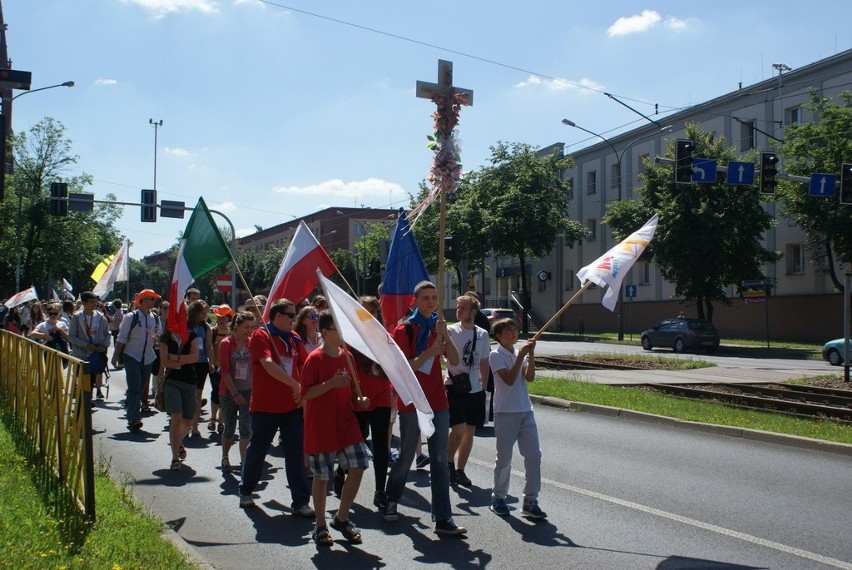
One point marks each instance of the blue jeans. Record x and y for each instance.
(134, 373)
(264, 426)
(440, 477)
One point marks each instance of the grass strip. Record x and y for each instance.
(628, 398)
(123, 537)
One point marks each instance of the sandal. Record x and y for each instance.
(347, 529)
(322, 537)
(175, 465)
(182, 453)
(211, 426)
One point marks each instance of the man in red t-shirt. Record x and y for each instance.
(277, 355)
(331, 430)
(424, 339)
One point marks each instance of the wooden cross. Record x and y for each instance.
(446, 117)
(445, 84)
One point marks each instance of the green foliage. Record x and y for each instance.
(144, 276)
(50, 247)
(709, 235)
(820, 146)
(345, 264)
(258, 267)
(367, 252)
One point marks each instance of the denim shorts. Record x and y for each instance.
(351, 456)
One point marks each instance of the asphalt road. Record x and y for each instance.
(618, 493)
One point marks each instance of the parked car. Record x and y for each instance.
(832, 351)
(682, 334)
(497, 314)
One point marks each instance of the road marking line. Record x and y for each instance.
(801, 553)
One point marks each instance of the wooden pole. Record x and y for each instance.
(562, 310)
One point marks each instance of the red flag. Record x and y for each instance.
(297, 276)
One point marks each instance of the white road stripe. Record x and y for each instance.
(686, 520)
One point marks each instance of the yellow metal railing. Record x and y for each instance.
(47, 401)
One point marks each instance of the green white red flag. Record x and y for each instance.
(202, 249)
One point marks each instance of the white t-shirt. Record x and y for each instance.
(463, 339)
(514, 398)
(47, 328)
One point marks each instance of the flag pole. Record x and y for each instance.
(256, 307)
(564, 308)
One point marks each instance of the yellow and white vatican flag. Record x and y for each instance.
(358, 329)
(114, 272)
(609, 269)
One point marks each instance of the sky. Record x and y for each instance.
(274, 110)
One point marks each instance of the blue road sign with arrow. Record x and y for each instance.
(703, 170)
(740, 173)
(630, 291)
(822, 185)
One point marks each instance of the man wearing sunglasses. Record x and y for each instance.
(277, 356)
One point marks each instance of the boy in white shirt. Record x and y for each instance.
(514, 419)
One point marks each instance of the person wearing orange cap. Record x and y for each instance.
(224, 315)
(137, 336)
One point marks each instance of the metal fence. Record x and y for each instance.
(47, 401)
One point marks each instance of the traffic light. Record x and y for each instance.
(684, 149)
(58, 199)
(450, 251)
(768, 171)
(149, 205)
(846, 183)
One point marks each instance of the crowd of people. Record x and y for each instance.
(290, 374)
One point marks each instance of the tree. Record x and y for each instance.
(526, 201)
(708, 236)
(820, 146)
(49, 247)
(367, 256)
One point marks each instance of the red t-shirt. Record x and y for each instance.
(374, 383)
(268, 394)
(431, 382)
(330, 422)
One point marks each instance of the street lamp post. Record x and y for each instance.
(619, 156)
(65, 84)
(157, 125)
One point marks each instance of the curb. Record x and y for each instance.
(745, 433)
(189, 552)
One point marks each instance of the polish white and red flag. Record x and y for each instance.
(297, 276)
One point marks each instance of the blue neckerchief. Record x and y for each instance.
(427, 326)
(287, 337)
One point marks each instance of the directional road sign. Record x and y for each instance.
(822, 185)
(740, 173)
(630, 291)
(703, 170)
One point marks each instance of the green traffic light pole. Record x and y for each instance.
(233, 243)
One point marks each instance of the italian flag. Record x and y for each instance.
(202, 249)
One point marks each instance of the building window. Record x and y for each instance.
(592, 182)
(615, 176)
(569, 279)
(358, 228)
(747, 131)
(644, 273)
(795, 255)
(793, 115)
(592, 225)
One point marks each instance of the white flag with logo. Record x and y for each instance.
(609, 269)
(358, 329)
(116, 271)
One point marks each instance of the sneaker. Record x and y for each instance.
(100, 396)
(390, 511)
(392, 456)
(380, 500)
(462, 479)
(454, 479)
(246, 502)
(533, 511)
(226, 465)
(304, 511)
(135, 426)
(499, 507)
(450, 528)
(422, 461)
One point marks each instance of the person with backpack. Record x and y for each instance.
(135, 342)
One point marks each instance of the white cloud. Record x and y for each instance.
(104, 81)
(558, 83)
(643, 22)
(225, 207)
(358, 189)
(160, 8)
(177, 151)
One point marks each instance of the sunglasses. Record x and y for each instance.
(52, 314)
(313, 317)
(291, 315)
